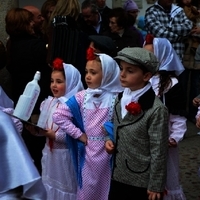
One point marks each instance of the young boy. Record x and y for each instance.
(140, 131)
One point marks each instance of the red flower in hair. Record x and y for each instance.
(57, 64)
(90, 54)
(149, 39)
(134, 108)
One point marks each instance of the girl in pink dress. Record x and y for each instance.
(96, 107)
(58, 173)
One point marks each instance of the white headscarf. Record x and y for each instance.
(73, 85)
(110, 84)
(73, 81)
(110, 76)
(167, 56)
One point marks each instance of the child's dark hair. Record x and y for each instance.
(165, 80)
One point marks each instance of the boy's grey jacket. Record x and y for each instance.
(141, 144)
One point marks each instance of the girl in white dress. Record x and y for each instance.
(58, 173)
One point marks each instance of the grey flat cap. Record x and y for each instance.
(139, 56)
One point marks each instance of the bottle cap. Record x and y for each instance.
(37, 75)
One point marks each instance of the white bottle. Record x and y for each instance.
(28, 99)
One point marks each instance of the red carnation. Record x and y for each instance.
(57, 64)
(133, 108)
(90, 54)
(149, 39)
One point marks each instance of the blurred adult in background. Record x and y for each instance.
(68, 12)
(166, 20)
(66, 40)
(91, 21)
(37, 18)
(120, 32)
(46, 10)
(103, 9)
(69, 8)
(26, 55)
(132, 10)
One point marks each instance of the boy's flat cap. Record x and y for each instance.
(139, 56)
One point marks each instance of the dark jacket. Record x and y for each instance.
(130, 38)
(27, 54)
(89, 29)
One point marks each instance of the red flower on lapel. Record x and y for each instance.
(134, 108)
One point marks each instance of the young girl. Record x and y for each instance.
(58, 174)
(168, 89)
(96, 107)
(140, 131)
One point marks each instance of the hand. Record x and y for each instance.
(195, 30)
(109, 146)
(198, 122)
(196, 101)
(48, 133)
(154, 195)
(172, 143)
(34, 130)
(83, 138)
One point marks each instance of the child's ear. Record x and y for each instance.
(147, 76)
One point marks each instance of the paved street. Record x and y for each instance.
(189, 150)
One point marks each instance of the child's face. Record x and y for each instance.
(93, 76)
(58, 84)
(131, 76)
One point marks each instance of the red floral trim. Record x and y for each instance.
(57, 64)
(134, 108)
(149, 39)
(90, 54)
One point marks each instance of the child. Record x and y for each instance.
(96, 107)
(168, 89)
(140, 131)
(58, 174)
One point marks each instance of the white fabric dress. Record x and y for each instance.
(58, 174)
